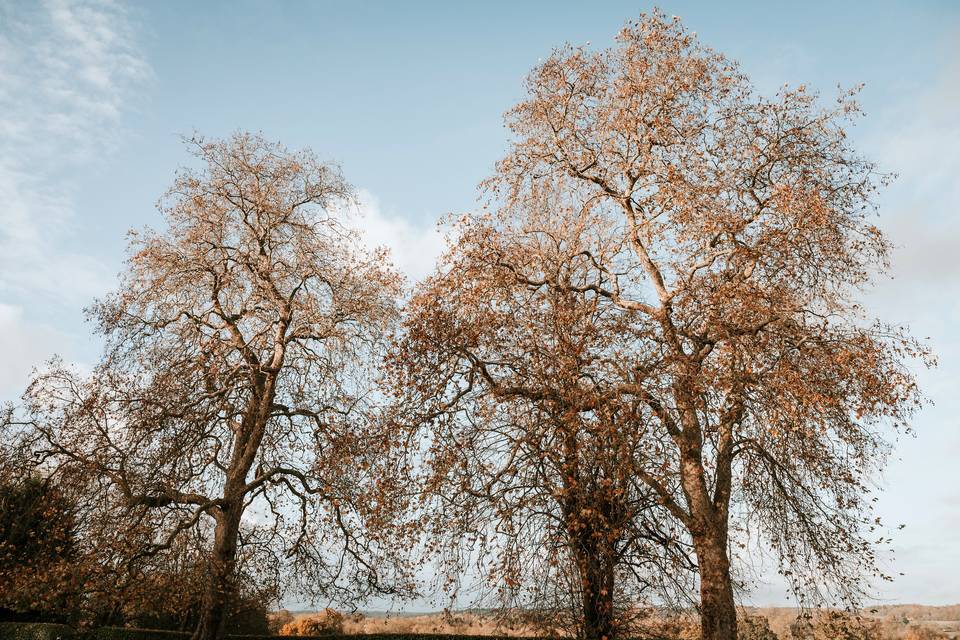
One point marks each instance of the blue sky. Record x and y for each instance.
(408, 98)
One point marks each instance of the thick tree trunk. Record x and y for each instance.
(595, 566)
(718, 611)
(221, 587)
(597, 592)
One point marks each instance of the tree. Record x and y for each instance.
(37, 550)
(525, 452)
(236, 380)
(836, 625)
(731, 235)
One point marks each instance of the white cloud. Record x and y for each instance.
(24, 345)
(67, 69)
(414, 248)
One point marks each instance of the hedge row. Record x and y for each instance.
(34, 631)
(49, 631)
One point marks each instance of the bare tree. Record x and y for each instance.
(730, 235)
(528, 463)
(236, 381)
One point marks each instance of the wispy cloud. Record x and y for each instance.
(67, 69)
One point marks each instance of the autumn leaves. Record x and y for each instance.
(644, 346)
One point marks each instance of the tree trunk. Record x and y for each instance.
(221, 588)
(596, 589)
(718, 611)
(598, 604)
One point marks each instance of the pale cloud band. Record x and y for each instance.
(67, 72)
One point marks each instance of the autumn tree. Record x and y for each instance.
(38, 549)
(527, 459)
(721, 240)
(234, 389)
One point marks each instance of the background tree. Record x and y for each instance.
(528, 465)
(235, 381)
(38, 551)
(731, 233)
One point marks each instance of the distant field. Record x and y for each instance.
(457, 623)
(896, 621)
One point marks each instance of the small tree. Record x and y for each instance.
(235, 381)
(755, 628)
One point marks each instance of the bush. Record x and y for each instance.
(835, 625)
(38, 572)
(327, 622)
(278, 620)
(754, 628)
(917, 632)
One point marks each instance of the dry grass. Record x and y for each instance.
(457, 623)
(897, 622)
(892, 622)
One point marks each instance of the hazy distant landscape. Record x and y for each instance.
(892, 622)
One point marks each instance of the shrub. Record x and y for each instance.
(754, 628)
(278, 620)
(917, 632)
(37, 552)
(327, 622)
(835, 625)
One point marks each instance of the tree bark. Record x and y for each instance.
(596, 583)
(595, 565)
(718, 612)
(221, 587)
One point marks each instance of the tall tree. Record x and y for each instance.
(527, 458)
(731, 233)
(236, 379)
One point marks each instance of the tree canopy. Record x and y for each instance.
(710, 245)
(241, 349)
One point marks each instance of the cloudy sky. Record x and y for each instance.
(408, 97)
